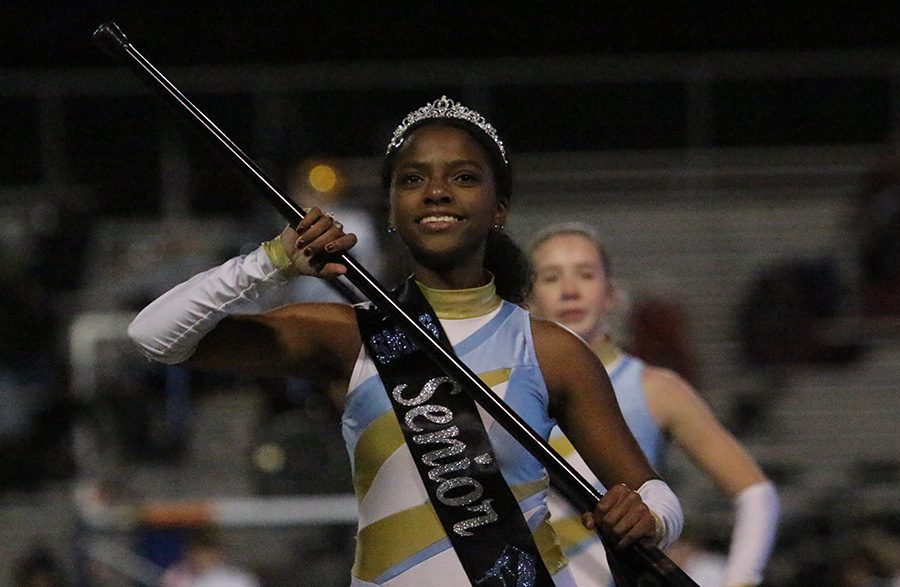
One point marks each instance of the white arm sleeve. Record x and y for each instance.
(756, 520)
(667, 509)
(170, 328)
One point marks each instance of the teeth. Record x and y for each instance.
(428, 219)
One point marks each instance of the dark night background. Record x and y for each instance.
(55, 38)
(55, 34)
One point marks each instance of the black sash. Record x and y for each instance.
(452, 452)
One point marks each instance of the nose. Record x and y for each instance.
(438, 193)
(569, 288)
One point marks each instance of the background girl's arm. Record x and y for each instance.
(688, 421)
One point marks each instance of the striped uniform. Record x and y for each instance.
(587, 559)
(400, 541)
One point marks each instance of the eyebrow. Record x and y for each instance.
(462, 162)
(558, 266)
(454, 163)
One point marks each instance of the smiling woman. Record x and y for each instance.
(443, 205)
(502, 257)
(446, 496)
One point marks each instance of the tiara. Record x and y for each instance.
(444, 107)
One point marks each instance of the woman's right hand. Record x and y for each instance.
(623, 518)
(311, 243)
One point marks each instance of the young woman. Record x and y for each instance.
(572, 286)
(434, 475)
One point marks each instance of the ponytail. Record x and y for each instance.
(509, 265)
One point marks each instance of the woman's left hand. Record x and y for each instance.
(622, 518)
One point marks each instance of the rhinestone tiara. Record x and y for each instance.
(444, 107)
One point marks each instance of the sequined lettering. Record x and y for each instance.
(433, 413)
(425, 394)
(514, 568)
(390, 344)
(447, 435)
(427, 322)
(489, 517)
(459, 491)
(475, 490)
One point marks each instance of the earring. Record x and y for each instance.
(498, 227)
(391, 229)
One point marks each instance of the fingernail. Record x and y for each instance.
(329, 247)
(307, 251)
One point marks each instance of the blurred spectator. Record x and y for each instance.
(790, 313)
(205, 564)
(879, 234)
(702, 564)
(34, 414)
(39, 568)
(29, 324)
(659, 335)
(60, 226)
(869, 557)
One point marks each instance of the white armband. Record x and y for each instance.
(756, 521)
(666, 508)
(170, 328)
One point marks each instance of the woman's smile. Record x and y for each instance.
(440, 222)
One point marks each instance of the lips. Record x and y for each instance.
(434, 219)
(572, 315)
(439, 216)
(439, 220)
